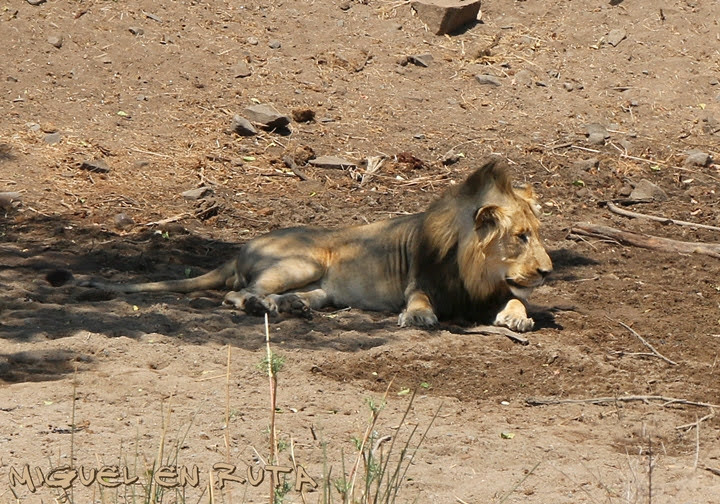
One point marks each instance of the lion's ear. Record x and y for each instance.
(493, 173)
(526, 192)
(488, 221)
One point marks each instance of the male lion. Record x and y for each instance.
(475, 254)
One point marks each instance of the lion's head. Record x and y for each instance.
(494, 229)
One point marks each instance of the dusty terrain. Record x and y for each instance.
(151, 89)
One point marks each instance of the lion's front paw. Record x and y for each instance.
(514, 322)
(417, 318)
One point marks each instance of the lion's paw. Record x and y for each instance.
(294, 305)
(251, 303)
(417, 318)
(514, 322)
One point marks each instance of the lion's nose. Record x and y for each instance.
(544, 272)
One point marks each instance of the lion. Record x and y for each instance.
(474, 255)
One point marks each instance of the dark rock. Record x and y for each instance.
(242, 126)
(446, 16)
(596, 133)
(136, 30)
(123, 221)
(303, 115)
(266, 116)
(95, 165)
(59, 277)
(203, 303)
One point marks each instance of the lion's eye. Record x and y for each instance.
(524, 237)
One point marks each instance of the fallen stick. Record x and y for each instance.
(174, 218)
(535, 401)
(290, 163)
(644, 342)
(644, 240)
(502, 331)
(665, 220)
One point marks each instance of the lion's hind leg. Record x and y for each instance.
(271, 291)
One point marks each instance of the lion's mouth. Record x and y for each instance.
(519, 289)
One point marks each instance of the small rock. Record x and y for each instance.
(253, 41)
(303, 114)
(568, 86)
(52, 138)
(524, 78)
(274, 44)
(625, 191)
(333, 162)
(36, 2)
(196, 194)
(266, 116)
(141, 98)
(587, 164)
(422, 60)
(242, 126)
(55, 40)
(95, 165)
(446, 16)
(616, 36)
(345, 5)
(141, 163)
(487, 79)
(698, 158)
(450, 157)
(123, 221)
(596, 133)
(136, 30)
(10, 200)
(241, 70)
(646, 190)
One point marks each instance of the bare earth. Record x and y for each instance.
(151, 88)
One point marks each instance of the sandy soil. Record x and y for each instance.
(151, 89)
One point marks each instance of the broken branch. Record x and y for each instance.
(644, 342)
(534, 401)
(645, 241)
(665, 220)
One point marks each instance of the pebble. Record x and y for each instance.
(136, 30)
(36, 2)
(55, 40)
(303, 114)
(95, 165)
(253, 41)
(266, 116)
(10, 199)
(242, 126)
(123, 221)
(487, 79)
(274, 44)
(422, 60)
(568, 86)
(197, 193)
(587, 164)
(59, 277)
(241, 70)
(698, 158)
(524, 78)
(333, 162)
(52, 138)
(596, 133)
(616, 36)
(646, 190)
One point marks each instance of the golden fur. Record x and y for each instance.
(475, 254)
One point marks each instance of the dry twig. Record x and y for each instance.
(502, 331)
(644, 342)
(665, 220)
(669, 401)
(644, 240)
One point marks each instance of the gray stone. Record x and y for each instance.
(524, 78)
(646, 190)
(333, 162)
(446, 16)
(568, 86)
(616, 36)
(266, 116)
(242, 126)
(422, 60)
(241, 70)
(196, 194)
(52, 138)
(136, 30)
(123, 221)
(36, 2)
(55, 40)
(698, 158)
(487, 79)
(253, 41)
(10, 199)
(95, 165)
(274, 44)
(596, 133)
(587, 164)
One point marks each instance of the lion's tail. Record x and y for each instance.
(217, 278)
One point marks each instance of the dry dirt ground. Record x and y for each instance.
(151, 88)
